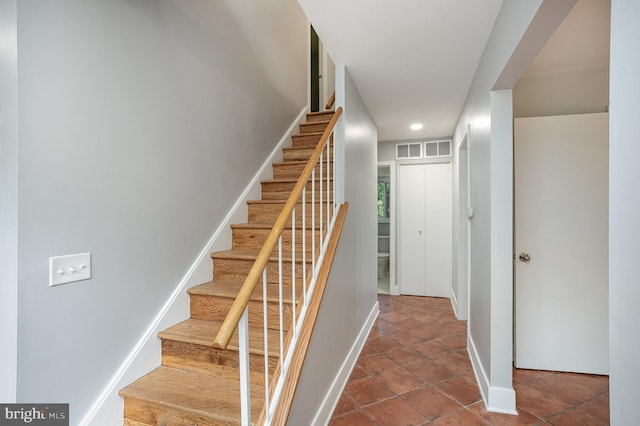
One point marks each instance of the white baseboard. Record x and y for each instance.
(108, 408)
(496, 399)
(323, 415)
(454, 302)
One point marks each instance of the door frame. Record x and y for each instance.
(463, 239)
(394, 290)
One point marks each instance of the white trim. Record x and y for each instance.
(108, 407)
(454, 302)
(328, 405)
(481, 375)
(502, 400)
(496, 399)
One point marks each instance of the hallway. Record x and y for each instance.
(414, 370)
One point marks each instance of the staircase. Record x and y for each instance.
(198, 384)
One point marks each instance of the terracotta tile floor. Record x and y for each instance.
(415, 370)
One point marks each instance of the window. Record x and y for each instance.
(383, 198)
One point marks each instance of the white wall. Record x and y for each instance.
(8, 201)
(520, 31)
(350, 299)
(624, 211)
(571, 92)
(140, 124)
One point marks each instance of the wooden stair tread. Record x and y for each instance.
(297, 162)
(230, 289)
(272, 202)
(316, 113)
(301, 148)
(240, 254)
(316, 122)
(201, 395)
(254, 226)
(203, 332)
(286, 180)
(266, 226)
(311, 133)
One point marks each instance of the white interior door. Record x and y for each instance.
(561, 216)
(425, 229)
(412, 230)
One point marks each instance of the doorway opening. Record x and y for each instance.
(385, 228)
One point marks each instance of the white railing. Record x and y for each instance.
(325, 207)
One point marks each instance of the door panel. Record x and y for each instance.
(425, 229)
(438, 229)
(561, 217)
(412, 231)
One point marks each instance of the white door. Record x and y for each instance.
(425, 229)
(561, 243)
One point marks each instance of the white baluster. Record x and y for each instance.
(280, 304)
(245, 384)
(293, 268)
(321, 207)
(265, 320)
(313, 219)
(304, 244)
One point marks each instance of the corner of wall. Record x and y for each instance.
(496, 399)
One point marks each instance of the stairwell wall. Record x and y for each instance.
(140, 123)
(349, 305)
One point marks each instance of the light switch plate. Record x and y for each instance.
(68, 269)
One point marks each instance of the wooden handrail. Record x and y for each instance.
(237, 308)
(331, 101)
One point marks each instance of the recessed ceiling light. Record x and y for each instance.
(416, 126)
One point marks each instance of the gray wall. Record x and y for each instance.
(624, 211)
(351, 292)
(519, 33)
(387, 149)
(8, 200)
(140, 124)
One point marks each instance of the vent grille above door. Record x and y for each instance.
(437, 149)
(408, 150)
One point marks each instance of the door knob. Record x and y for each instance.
(524, 257)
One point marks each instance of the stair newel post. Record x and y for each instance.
(245, 384)
(265, 320)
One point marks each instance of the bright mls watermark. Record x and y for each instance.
(34, 414)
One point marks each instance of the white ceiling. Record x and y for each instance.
(414, 60)
(411, 60)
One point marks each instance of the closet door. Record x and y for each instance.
(425, 229)
(412, 232)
